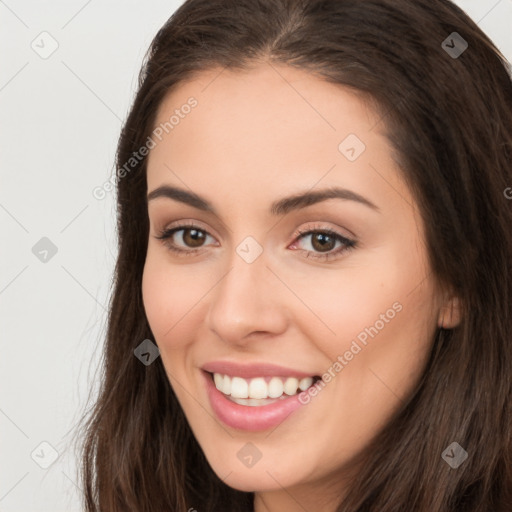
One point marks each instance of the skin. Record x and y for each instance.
(255, 137)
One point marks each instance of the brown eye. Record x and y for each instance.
(193, 237)
(322, 242)
(184, 239)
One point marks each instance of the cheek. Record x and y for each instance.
(368, 291)
(344, 302)
(157, 296)
(379, 317)
(169, 294)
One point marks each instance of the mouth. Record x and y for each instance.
(257, 397)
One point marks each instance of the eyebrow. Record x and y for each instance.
(280, 207)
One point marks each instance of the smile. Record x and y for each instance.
(254, 397)
(260, 390)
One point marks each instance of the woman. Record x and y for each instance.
(315, 232)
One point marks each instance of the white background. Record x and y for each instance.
(60, 120)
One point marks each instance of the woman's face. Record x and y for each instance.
(277, 281)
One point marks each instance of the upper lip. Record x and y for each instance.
(248, 371)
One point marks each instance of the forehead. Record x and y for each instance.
(270, 126)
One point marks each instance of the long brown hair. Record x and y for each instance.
(449, 119)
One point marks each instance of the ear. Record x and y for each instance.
(450, 313)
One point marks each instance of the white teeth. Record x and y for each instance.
(258, 388)
(226, 385)
(275, 387)
(305, 383)
(239, 388)
(218, 379)
(246, 392)
(291, 385)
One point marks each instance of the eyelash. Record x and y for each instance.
(348, 244)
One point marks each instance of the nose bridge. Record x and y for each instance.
(245, 299)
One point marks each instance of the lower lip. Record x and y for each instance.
(249, 418)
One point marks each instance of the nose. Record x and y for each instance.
(248, 303)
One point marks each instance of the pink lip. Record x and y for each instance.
(244, 417)
(250, 371)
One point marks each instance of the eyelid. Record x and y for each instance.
(185, 223)
(316, 227)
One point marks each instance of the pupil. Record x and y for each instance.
(323, 240)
